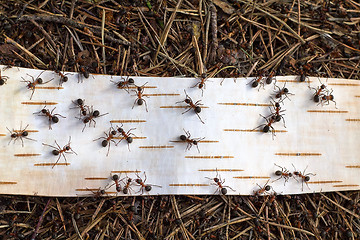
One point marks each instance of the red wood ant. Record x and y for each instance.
(126, 135)
(126, 188)
(80, 104)
(61, 151)
(270, 77)
(263, 189)
(318, 92)
(191, 105)
(304, 177)
(142, 184)
(36, 81)
(52, 117)
(83, 71)
(283, 92)
(90, 117)
(219, 183)
(201, 84)
(22, 133)
(63, 77)
(139, 93)
(190, 141)
(278, 111)
(327, 98)
(115, 178)
(270, 120)
(283, 173)
(256, 81)
(3, 79)
(108, 139)
(124, 84)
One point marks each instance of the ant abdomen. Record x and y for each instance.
(254, 84)
(223, 191)
(104, 143)
(55, 152)
(129, 139)
(140, 101)
(148, 188)
(197, 109)
(55, 119)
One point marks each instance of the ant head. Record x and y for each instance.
(286, 90)
(266, 129)
(120, 130)
(267, 188)
(223, 191)
(139, 89)
(86, 74)
(323, 86)
(290, 174)
(187, 100)
(86, 120)
(67, 148)
(277, 104)
(129, 139)
(55, 119)
(278, 173)
(14, 135)
(39, 80)
(197, 109)
(83, 113)
(296, 173)
(302, 76)
(118, 189)
(140, 101)
(125, 191)
(80, 101)
(194, 142)
(203, 75)
(113, 132)
(216, 179)
(201, 85)
(129, 180)
(115, 177)
(96, 113)
(104, 143)
(138, 180)
(44, 110)
(307, 178)
(148, 188)
(65, 79)
(55, 152)
(254, 84)
(131, 81)
(24, 133)
(102, 192)
(183, 137)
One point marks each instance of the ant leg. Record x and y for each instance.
(145, 105)
(22, 142)
(107, 154)
(134, 103)
(200, 118)
(51, 146)
(188, 109)
(129, 147)
(197, 103)
(99, 138)
(198, 148)
(84, 127)
(32, 94)
(57, 160)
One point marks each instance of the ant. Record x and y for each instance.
(80, 104)
(142, 184)
(126, 135)
(139, 93)
(63, 77)
(36, 81)
(327, 98)
(3, 79)
(115, 178)
(277, 108)
(109, 138)
(270, 120)
(283, 173)
(318, 92)
(61, 151)
(201, 84)
(90, 117)
(304, 177)
(270, 77)
(19, 135)
(84, 71)
(124, 84)
(218, 182)
(256, 81)
(192, 105)
(52, 117)
(186, 138)
(283, 92)
(126, 188)
(263, 189)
